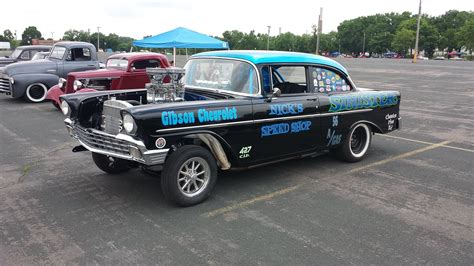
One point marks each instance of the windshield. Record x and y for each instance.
(16, 53)
(222, 74)
(117, 63)
(57, 52)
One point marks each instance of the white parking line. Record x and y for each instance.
(426, 142)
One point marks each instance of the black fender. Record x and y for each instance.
(22, 81)
(192, 135)
(375, 128)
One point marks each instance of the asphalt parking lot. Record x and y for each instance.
(410, 202)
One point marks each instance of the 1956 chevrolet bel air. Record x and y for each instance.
(229, 109)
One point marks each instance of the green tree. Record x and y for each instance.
(448, 25)
(29, 34)
(466, 35)
(429, 35)
(403, 41)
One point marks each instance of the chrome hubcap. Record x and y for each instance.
(193, 176)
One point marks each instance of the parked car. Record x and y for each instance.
(40, 55)
(23, 53)
(122, 71)
(232, 110)
(32, 79)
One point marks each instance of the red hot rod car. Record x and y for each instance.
(123, 71)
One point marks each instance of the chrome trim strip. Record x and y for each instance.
(262, 120)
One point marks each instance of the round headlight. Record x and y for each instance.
(65, 108)
(12, 81)
(129, 124)
(61, 83)
(77, 85)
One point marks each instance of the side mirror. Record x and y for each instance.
(276, 93)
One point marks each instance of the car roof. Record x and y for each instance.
(138, 55)
(69, 44)
(269, 57)
(33, 47)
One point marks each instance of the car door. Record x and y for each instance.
(328, 82)
(286, 124)
(78, 59)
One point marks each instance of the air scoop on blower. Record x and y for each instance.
(166, 85)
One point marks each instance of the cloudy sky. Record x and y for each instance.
(137, 18)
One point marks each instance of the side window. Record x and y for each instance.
(143, 64)
(290, 79)
(33, 52)
(325, 80)
(25, 55)
(79, 54)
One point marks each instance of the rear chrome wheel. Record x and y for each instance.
(36, 92)
(356, 143)
(189, 175)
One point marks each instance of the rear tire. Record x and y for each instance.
(189, 175)
(356, 144)
(36, 92)
(110, 165)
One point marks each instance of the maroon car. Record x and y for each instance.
(123, 71)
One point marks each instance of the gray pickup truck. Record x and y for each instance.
(23, 53)
(32, 79)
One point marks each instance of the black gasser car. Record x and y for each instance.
(226, 110)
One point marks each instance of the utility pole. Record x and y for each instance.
(268, 38)
(363, 46)
(52, 35)
(320, 29)
(89, 35)
(417, 34)
(98, 33)
(279, 31)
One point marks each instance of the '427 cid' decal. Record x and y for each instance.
(245, 152)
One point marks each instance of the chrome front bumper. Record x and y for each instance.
(120, 146)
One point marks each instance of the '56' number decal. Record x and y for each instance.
(245, 152)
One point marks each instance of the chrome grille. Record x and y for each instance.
(4, 84)
(111, 118)
(101, 140)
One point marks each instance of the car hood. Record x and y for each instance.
(31, 67)
(99, 73)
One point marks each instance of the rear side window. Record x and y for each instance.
(325, 80)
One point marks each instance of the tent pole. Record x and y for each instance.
(174, 56)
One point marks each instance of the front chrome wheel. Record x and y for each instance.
(189, 175)
(193, 176)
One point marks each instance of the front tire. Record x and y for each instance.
(189, 175)
(36, 92)
(110, 165)
(356, 143)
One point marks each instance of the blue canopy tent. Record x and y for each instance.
(181, 38)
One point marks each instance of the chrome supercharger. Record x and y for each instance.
(165, 85)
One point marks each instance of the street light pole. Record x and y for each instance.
(363, 46)
(98, 33)
(417, 34)
(319, 30)
(268, 38)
